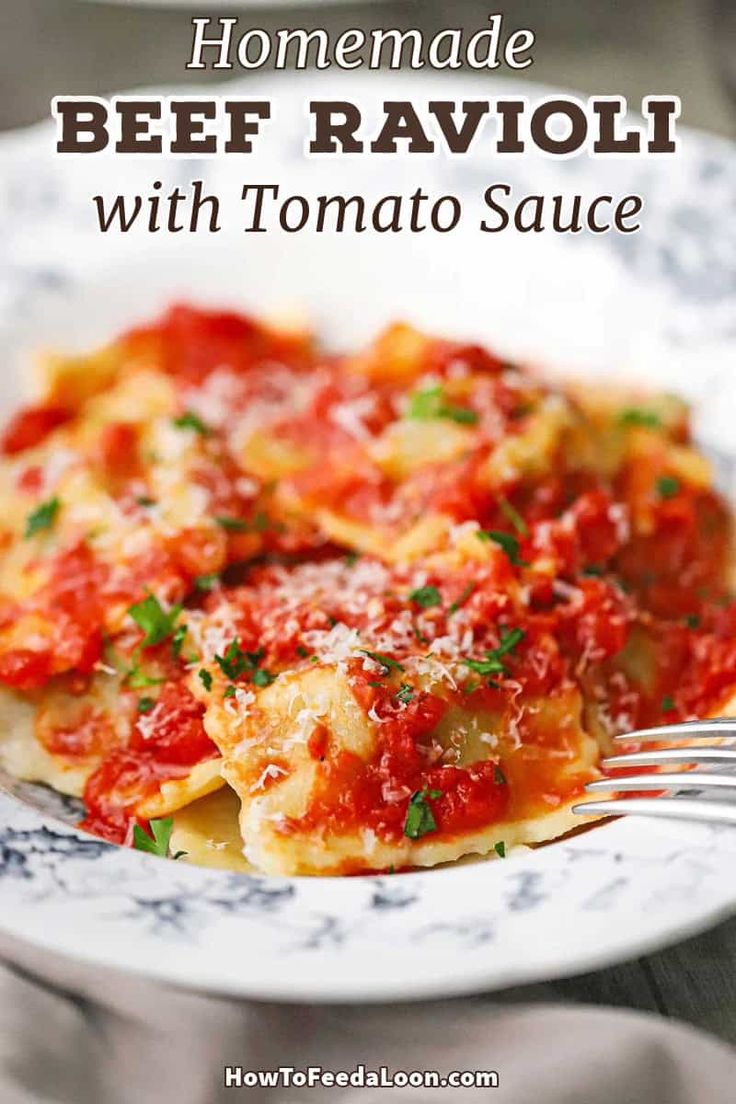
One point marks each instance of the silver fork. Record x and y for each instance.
(680, 806)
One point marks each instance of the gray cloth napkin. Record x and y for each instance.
(74, 1035)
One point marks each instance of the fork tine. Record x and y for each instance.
(685, 780)
(670, 808)
(664, 756)
(717, 726)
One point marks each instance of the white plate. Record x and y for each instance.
(657, 306)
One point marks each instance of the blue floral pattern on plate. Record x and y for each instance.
(660, 301)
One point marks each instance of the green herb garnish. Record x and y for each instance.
(145, 705)
(236, 662)
(43, 517)
(233, 525)
(205, 678)
(385, 661)
(668, 704)
(177, 640)
(405, 693)
(430, 403)
(507, 541)
(233, 662)
(462, 598)
(692, 621)
(138, 679)
(668, 486)
(426, 597)
(492, 664)
(258, 524)
(190, 420)
(500, 849)
(419, 817)
(635, 416)
(512, 514)
(158, 845)
(157, 623)
(207, 582)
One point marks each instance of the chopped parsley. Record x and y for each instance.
(462, 598)
(431, 403)
(512, 514)
(635, 416)
(233, 525)
(500, 849)
(351, 559)
(157, 623)
(593, 570)
(233, 662)
(177, 640)
(692, 621)
(207, 582)
(158, 842)
(507, 541)
(385, 661)
(668, 704)
(405, 693)
(145, 500)
(493, 664)
(145, 705)
(229, 691)
(236, 662)
(302, 651)
(419, 817)
(426, 597)
(190, 420)
(138, 679)
(668, 486)
(43, 517)
(259, 523)
(205, 678)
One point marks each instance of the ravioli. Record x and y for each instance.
(340, 693)
(385, 609)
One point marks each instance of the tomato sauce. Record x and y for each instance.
(612, 591)
(190, 343)
(164, 745)
(31, 427)
(67, 616)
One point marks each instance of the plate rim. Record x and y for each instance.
(451, 981)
